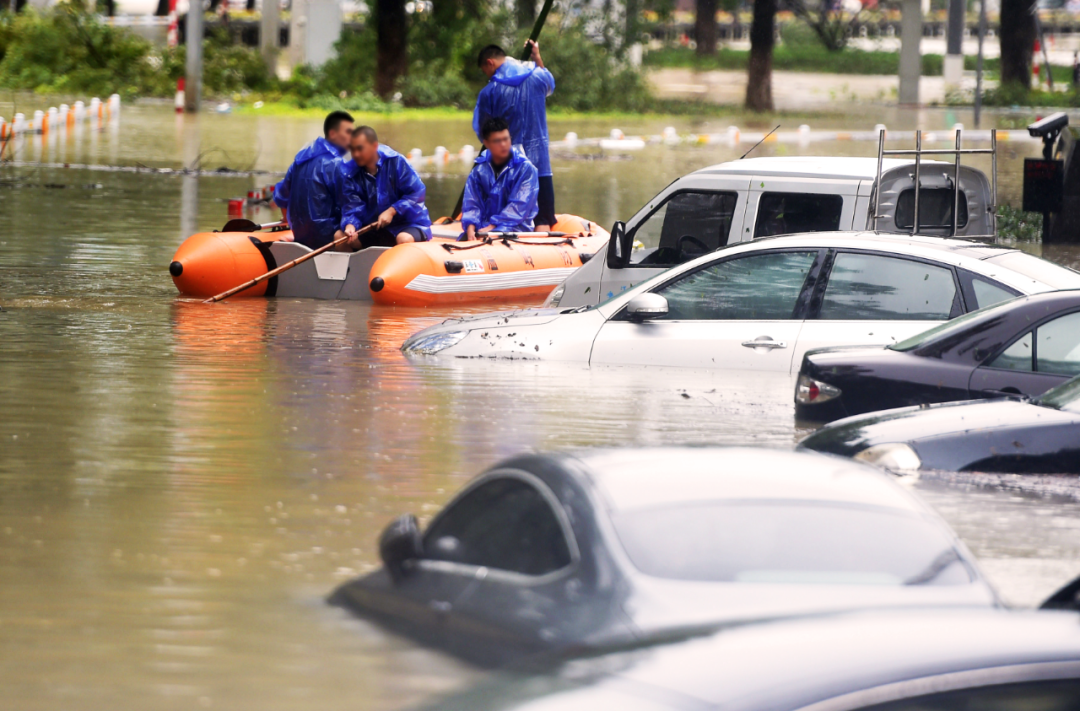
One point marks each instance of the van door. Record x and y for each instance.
(694, 216)
(782, 206)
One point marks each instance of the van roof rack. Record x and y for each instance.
(919, 152)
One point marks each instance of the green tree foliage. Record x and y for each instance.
(67, 50)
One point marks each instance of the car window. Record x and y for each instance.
(504, 524)
(791, 213)
(791, 542)
(1053, 695)
(987, 293)
(874, 287)
(687, 225)
(1018, 356)
(935, 208)
(1057, 346)
(755, 287)
(949, 329)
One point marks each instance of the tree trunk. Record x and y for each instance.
(633, 23)
(526, 13)
(1017, 39)
(759, 74)
(391, 57)
(705, 27)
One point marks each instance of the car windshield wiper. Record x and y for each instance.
(937, 567)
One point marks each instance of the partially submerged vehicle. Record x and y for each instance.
(1024, 346)
(763, 304)
(572, 553)
(443, 270)
(749, 199)
(887, 660)
(1008, 435)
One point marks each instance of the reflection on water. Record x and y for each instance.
(180, 484)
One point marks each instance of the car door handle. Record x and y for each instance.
(764, 342)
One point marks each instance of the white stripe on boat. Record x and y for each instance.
(488, 282)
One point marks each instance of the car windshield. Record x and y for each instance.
(1063, 397)
(947, 328)
(1053, 275)
(794, 542)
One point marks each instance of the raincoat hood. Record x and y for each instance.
(513, 73)
(318, 147)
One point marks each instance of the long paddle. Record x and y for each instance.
(286, 267)
(525, 54)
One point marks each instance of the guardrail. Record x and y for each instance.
(57, 117)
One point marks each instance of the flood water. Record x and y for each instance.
(181, 485)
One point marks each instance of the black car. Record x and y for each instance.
(892, 660)
(1009, 435)
(564, 552)
(1024, 346)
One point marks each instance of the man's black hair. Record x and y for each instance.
(492, 51)
(367, 132)
(493, 125)
(333, 120)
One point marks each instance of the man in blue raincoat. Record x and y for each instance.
(517, 93)
(501, 190)
(307, 193)
(379, 185)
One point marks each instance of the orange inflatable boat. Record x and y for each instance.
(422, 274)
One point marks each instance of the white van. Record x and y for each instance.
(761, 197)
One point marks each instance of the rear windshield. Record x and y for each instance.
(935, 208)
(945, 329)
(790, 542)
(1053, 275)
(1063, 397)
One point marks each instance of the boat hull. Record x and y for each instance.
(419, 274)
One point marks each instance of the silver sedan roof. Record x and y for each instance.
(645, 478)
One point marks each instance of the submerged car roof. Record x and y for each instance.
(646, 478)
(834, 167)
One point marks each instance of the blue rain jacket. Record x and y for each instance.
(517, 93)
(507, 201)
(364, 196)
(308, 193)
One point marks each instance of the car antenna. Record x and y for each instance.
(759, 142)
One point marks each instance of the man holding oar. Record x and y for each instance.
(501, 191)
(306, 195)
(378, 185)
(517, 93)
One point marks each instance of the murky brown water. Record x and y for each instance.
(181, 485)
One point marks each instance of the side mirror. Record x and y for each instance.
(618, 254)
(646, 306)
(399, 544)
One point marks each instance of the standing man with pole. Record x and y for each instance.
(517, 93)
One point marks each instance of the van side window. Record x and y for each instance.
(687, 225)
(791, 213)
(504, 524)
